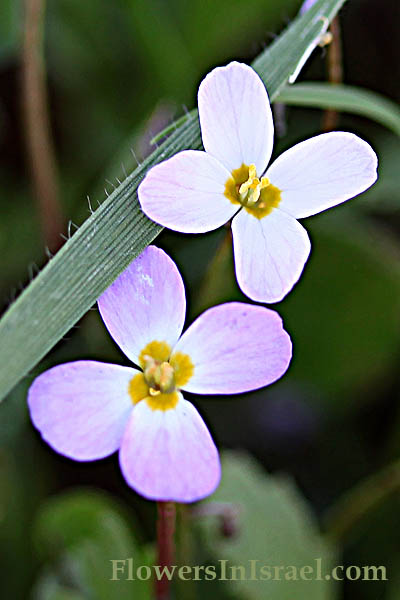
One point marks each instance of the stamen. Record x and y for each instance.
(166, 379)
(162, 376)
(250, 190)
(159, 377)
(258, 197)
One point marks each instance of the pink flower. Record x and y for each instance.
(195, 191)
(87, 410)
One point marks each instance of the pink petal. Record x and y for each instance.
(235, 347)
(82, 408)
(169, 455)
(323, 172)
(235, 117)
(270, 254)
(145, 303)
(186, 193)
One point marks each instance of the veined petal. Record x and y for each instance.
(145, 303)
(235, 117)
(169, 454)
(235, 347)
(82, 408)
(270, 254)
(186, 193)
(323, 172)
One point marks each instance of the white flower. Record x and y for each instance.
(196, 191)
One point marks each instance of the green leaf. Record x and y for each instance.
(344, 98)
(274, 527)
(118, 231)
(81, 532)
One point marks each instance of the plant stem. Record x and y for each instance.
(37, 127)
(335, 71)
(165, 545)
(363, 498)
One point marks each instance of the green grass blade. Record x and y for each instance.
(344, 98)
(118, 231)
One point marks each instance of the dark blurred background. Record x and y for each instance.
(117, 73)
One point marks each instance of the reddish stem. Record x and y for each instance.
(165, 545)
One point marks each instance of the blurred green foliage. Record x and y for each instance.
(274, 526)
(331, 421)
(79, 534)
(341, 345)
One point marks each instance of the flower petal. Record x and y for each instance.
(186, 193)
(169, 455)
(270, 254)
(235, 117)
(145, 303)
(323, 172)
(235, 347)
(82, 408)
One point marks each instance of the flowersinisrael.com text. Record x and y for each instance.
(252, 570)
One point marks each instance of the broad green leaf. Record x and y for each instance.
(344, 98)
(274, 527)
(118, 231)
(82, 532)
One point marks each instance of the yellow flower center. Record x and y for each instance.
(257, 196)
(162, 374)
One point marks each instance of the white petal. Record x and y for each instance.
(82, 408)
(235, 347)
(270, 254)
(235, 117)
(323, 172)
(186, 193)
(169, 455)
(145, 303)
